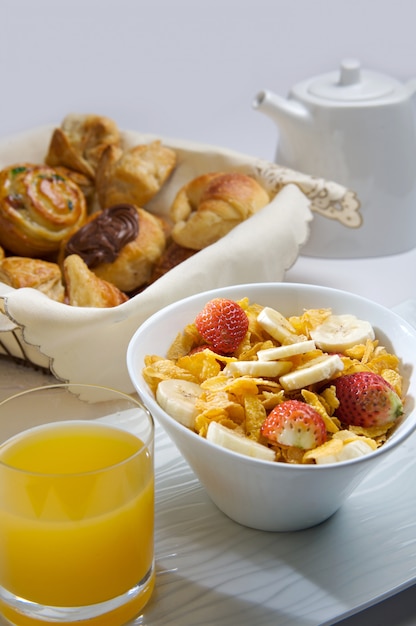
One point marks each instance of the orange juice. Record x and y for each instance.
(76, 513)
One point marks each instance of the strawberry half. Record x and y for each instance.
(293, 423)
(366, 399)
(223, 324)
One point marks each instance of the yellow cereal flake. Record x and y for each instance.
(202, 365)
(372, 432)
(255, 416)
(395, 379)
(220, 401)
(310, 319)
(184, 342)
(329, 399)
(203, 420)
(158, 369)
(383, 362)
(314, 401)
(270, 399)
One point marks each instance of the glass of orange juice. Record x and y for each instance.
(76, 506)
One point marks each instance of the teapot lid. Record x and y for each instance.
(352, 84)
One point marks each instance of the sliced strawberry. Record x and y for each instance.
(223, 324)
(366, 399)
(295, 424)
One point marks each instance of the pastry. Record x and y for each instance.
(120, 244)
(38, 209)
(80, 141)
(85, 183)
(85, 289)
(19, 272)
(173, 255)
(134, 175)
(209, 206)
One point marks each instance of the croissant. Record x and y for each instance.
(38, 209)
(211, 205)
(44, 276)
(80, 141)
(85, 289)
(120, 244)
(133, 176)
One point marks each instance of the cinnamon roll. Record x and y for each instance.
(39, 207)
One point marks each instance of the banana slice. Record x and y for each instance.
(320, 370)
(278, 326)
(339, 449)
(269, 369)
(227, 438)
(300, 347)
(340, 332)
(178, 398)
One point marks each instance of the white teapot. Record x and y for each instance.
(356, 128)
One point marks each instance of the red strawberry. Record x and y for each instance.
(366, 399)
(223, 324)
(295, 424)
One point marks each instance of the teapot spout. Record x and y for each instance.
(279, 109)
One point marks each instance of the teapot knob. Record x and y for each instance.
(350, 72)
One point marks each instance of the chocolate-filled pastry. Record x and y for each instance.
(120, 244)
(39, 208)
(80, 141)
(19, 272)
(211, 205)
(84, 288)
(172, 256)
(134, 175)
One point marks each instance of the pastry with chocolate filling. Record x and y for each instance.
(172, 256)
(211, 205)
(80, 141)
(85, 289)
(120, 244)
(19, 272)
(135, 175)
(39, 208)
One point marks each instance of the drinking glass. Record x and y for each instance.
(76, 506)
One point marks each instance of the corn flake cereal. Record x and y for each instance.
(242, 402)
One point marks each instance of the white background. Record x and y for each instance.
(187, 68)
(190, 69)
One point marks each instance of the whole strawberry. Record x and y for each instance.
(223, 324)
(293, 423)
(366, 399)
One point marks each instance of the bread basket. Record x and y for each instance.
(89, 345)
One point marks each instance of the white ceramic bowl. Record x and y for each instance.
(260, 494)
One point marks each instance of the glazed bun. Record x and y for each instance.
(120, 244)
(211, 205)
(134, 175)
(39, 208)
